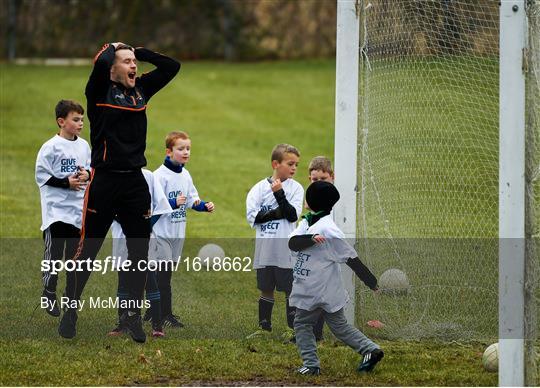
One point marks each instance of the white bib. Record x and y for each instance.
(271, 244)
(61, 158)
(317, 271)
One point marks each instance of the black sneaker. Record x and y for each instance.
(171, 320)
(68, 324)
(131, 322)
(52, 303)
(309, 370)
(370, 360)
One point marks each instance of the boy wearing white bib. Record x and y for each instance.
(170, 229)
(273, 206)
(62, 172)
(320, 248)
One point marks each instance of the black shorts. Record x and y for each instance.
(274, 278)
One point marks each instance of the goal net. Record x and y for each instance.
(428, 167)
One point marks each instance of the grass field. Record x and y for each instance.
(234, 113)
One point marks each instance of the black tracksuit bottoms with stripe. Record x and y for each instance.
(58, 237)
(123, 194)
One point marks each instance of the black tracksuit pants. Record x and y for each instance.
(58, 237)
(126, 196)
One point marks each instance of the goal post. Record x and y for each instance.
(346, 127)
(512, 38)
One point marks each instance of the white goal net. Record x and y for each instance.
(428, 167)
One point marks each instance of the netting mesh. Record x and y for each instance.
(428, 164)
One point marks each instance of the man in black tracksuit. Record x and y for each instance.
(116, 106)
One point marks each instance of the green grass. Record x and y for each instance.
(235, 114)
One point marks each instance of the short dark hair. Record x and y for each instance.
(64, 107)
(320, 163)
(124, 46)
(279, 151)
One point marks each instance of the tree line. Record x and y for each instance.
(187, 29)
(244, 29)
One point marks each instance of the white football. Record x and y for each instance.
(211, 253)
(394, 281)
(490, 358)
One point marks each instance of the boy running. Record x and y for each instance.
(320, 247)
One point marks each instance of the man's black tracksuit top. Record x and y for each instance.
(118, 115)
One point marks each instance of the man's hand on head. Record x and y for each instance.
(118, 44)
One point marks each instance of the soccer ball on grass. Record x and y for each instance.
(490, 358)
(394, 282)
(211, 253)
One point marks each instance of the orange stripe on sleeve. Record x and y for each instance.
(105, 47)
(123, 108)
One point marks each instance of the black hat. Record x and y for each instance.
(321, 195)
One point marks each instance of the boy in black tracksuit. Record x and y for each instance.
(116, 106)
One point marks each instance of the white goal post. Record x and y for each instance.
(346, 128)
(512, 38)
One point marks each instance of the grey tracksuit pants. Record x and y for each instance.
(305, 339)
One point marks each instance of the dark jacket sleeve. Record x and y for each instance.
(288, 210)
(62, 183)
(99, 80)
(268, 215)
(301, 242)
(363, 272)
(166, 69)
